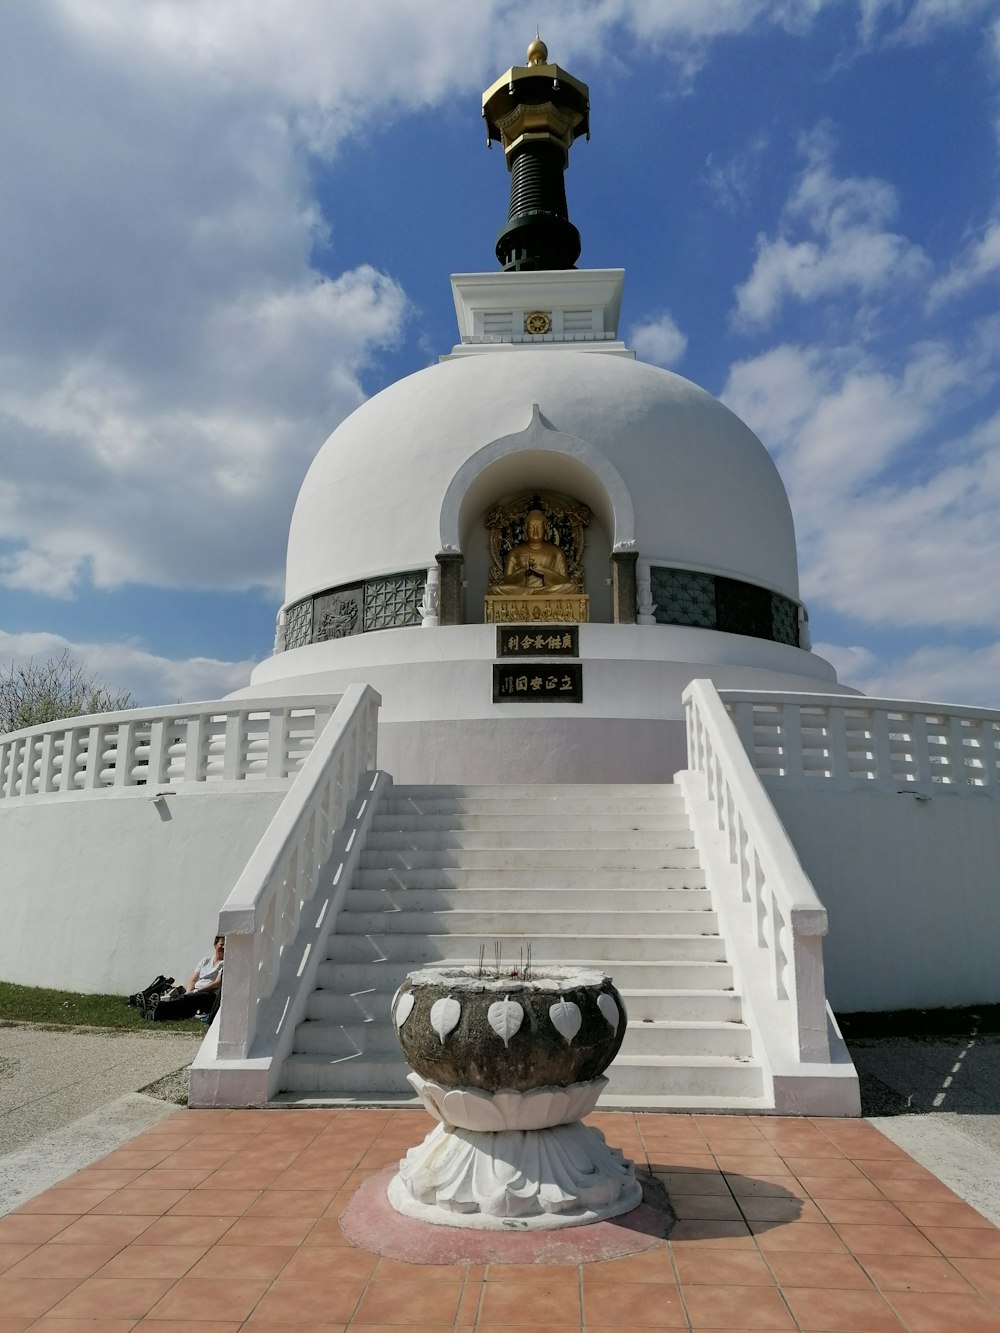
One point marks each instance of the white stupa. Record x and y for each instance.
(542, 674)
(688, 564)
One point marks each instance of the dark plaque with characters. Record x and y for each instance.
(541, 683)
(538, 641)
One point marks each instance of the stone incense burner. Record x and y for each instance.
(509, 1067)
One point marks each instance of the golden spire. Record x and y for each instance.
(536, 111)
(538, 52)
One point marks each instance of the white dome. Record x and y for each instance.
(659, 461)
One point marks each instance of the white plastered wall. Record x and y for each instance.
(912, 889)
(103, 891)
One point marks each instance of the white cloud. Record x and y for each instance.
(659, 340)
(833, 239)
(171, 359)
(980, 262)
(897, 522)
(169, 354)
(733, 180)
(150, 678)
(948, 673)
(918, 20)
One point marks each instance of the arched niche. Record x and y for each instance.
(537, 458)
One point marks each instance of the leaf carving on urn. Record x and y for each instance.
(505, 1017)
(445, 1014)
(609, 1009)
(566, 1019)
(404, 1008)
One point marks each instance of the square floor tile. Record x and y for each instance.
(64, 1261)
(792, 1268)
(748, 1307)
(631, 1305)
(862, 1237)
(900, 1272)
(931, 1312)
(420, 1300)
(112, 1298)
(152, 1260)
(802, 1237)
(13, 1254)
(965, 1242)
(835, 1310)
(239, 1261)
(198, 1298)
(723, 1268)
(20, 1297)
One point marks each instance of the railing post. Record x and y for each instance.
(123, 756)
(277, 731)
(46, 772)
(232, 755)
(238, 1009)
(193, 768)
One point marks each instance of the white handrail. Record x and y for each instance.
(783, 918)
(260, 918)
(847, 741)
(213, 741)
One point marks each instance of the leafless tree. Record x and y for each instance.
(34, 692)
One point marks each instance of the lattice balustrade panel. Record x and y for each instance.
(784, 620)
(683, 597)
(392, 602)
(298, 624)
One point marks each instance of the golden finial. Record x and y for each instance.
(538, 52)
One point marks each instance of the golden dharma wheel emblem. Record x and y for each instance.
(538, 322)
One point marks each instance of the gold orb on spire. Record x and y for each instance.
(538, 52)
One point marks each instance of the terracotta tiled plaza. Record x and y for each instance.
(222, 1220)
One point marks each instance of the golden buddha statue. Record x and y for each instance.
(536, 567)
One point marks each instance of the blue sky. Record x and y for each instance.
(227, 223)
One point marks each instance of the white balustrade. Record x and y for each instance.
(260, 918)
(779, 919)
(221, 740)
(879, 744)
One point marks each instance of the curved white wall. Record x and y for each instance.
(910, 888)
(438, 721)
(103, 891)
(704, 490)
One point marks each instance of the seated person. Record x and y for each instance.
(200, 996)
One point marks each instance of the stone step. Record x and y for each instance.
(638, 1076)
(455, 877)
(525, 923)
(505, 859)
(419, 950)
(624, 813)
(372, 1004)
(343, 1040)
(534, 840)
(624, 792)
(573, 899)
(320, 1075)
(386, 974)
(682, 1004)
(499, 821)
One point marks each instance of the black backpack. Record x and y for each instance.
(157, 987)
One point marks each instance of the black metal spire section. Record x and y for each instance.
(536, 111)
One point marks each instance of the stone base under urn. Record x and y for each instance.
(509, 1067)
(499, 1176)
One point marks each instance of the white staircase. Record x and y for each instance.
(607, 876)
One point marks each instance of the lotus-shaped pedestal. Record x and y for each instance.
(509, 1067)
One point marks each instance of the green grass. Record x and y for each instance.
(62, 1008)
